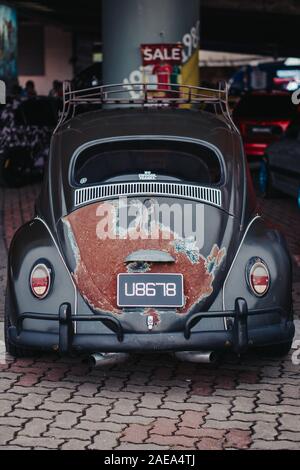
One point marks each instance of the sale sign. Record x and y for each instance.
(161, 53)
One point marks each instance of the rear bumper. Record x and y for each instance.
(209, 340)
(239, 338)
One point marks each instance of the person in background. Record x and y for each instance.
(30, 91)
(57, 89)
(163, 72)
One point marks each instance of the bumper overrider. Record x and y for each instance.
(238, 337)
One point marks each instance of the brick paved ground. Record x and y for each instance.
(154, 402)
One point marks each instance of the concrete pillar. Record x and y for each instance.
(129, 23)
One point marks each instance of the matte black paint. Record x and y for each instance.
(34, 242)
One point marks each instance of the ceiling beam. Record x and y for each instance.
(265, 27)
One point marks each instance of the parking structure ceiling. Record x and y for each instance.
(267, 27)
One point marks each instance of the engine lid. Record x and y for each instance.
(186, 237)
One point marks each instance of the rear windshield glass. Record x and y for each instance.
(255, 106)
(147, 160)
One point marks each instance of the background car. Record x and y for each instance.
(262, 118)
(280, 168)
(25, 130)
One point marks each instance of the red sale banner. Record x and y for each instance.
(161, 53)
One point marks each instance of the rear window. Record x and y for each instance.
(147, 160)
(256, 106)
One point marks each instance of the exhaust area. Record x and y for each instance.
(204, 357)
(107, 359)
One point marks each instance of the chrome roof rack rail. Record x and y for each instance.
(121, 94)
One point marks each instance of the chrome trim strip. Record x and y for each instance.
(107, 191)
(233, 262)
(64, 263)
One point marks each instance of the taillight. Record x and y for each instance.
(40, 281)
(258, 277)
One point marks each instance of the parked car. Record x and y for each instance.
(262, 118)
(25, 130)
(280, 167)
(147, 237)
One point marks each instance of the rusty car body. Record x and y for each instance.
(70, 289)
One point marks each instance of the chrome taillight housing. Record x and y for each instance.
(40, 280)
(258, 277)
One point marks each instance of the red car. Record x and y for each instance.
(262, 118)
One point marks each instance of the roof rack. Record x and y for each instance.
(145, 95)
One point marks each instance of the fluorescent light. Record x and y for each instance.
(292, 61)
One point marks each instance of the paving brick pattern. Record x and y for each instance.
(153, 401)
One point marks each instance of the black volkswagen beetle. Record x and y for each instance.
(146, 235)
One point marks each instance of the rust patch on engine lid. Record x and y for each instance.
(99, 261)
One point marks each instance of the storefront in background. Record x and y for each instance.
(8, 44)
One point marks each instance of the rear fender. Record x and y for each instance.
(269, 245)
(32, 243)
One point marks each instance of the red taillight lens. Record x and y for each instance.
(40, 281)
(259, 278)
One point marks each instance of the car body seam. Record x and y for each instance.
(234, 260)
(64, 263)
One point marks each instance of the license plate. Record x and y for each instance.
(150, 290)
